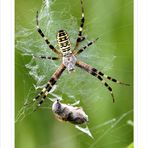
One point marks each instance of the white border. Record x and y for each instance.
(6, 73)
(141, 74)
(136, 8)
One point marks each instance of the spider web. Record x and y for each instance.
(70, 87)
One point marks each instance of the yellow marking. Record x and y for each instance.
(64, 44)
(65, 47)
(61, 32)
(46, 93)
(82, 15)
(45, 38)
(105, 76)
(103, 81)
(37, 27)
(64, 38)
(81, 28)
(44, 89)
(49, 83)
(63, 41)
(66, 35)
(34, 99)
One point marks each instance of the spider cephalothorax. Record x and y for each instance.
(69, 60)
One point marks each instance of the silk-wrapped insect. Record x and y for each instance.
(72, 114)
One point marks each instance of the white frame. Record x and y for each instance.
(7, 73)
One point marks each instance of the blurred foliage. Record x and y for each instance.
(110, 124)
(131, 145)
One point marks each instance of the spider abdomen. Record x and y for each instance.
(64, 42)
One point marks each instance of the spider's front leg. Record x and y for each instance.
(45, 38)
(43, 94)
(99, 75)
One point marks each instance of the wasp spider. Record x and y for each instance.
(69, 59)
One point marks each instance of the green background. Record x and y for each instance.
(111, 124)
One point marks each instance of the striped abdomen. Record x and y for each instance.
(64, 42)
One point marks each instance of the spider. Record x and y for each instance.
(69, 59)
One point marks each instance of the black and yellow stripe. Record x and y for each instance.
(43, 94)
(64, 42)
(80, 37)
(83, 48)
(82, 22)
(47, 57)
(95, 73)
(45, 38)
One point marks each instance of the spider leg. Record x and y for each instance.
(43, 94)
(45, 38)
(46, 57)
(94, 70)
(108, 77)
(80, 37)
(99, 75)
(83, 48)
